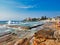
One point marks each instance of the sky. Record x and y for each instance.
(21, 9)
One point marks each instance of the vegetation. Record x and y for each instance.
(35, 19)
(43, 18)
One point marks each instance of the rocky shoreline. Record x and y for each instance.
(48, 35)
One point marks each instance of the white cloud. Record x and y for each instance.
(19, 5)
(25, 7)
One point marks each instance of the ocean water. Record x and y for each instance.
(21, 34)
(3, 22)
(31, 24)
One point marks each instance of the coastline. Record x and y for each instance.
(22, 34)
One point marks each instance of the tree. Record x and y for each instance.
(43, 18)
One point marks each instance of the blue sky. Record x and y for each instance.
(20, 9)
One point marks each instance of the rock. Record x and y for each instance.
(46, 37)
(22, 42)
(57, 35)
(42, 43)
(44, 33)
(50, 42)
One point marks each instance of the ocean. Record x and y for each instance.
(11, 22)
(4, 30)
